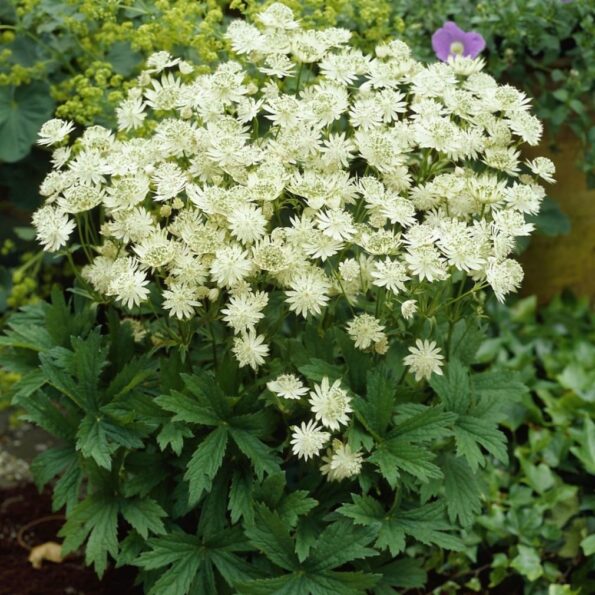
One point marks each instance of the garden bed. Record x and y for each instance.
(22, 505)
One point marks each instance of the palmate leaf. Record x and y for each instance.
(472, 432)
(426, 524)
(397, 455)
(270, 535)
(187, 563)
(188, 409)
(453, 387)
(463, 496)
(94, 519)
(419, 423)
(205, 463)
(339, 544)
(144, 515)
(375, 411)
(263, 459)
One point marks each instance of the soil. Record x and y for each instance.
(19, 506)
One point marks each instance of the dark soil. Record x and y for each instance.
(20, 506)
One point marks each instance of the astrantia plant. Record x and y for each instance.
(305, 237)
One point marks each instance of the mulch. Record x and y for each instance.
(22, 505)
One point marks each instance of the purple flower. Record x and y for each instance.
(449, 41)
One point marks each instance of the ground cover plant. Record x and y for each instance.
(536, 533)
(264, 379)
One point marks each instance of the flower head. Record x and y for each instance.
(451, 41)
(330, 404)
(424, 360)
(341, 462)
(288, 386)
(308, 439)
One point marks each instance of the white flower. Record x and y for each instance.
(408, 309)
(308, 440)
(424, 360)
(54, 131)
(230, 266)
(247, 223)
(391, 274)
(308, 294)
(243, 311)
(330, 404)
(250, 349)
(504, 276)
(365, 330)
(180, 300)
(341, 462)
(130, 113)
(543, 168)
(287, 386)
(53, 227)
(129, 286)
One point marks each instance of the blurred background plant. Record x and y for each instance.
(537, 533)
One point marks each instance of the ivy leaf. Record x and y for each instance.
(23, 110)
(205, 463)
(463, 497)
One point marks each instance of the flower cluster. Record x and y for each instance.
(330, 405)
(306, 169)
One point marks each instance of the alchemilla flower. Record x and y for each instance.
(302, 181)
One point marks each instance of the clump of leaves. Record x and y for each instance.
(182, 472)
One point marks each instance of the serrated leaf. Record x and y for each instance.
(453, 387)
(317, 369)
(417, 423)
(413, 459)
(50, 463)
(500, 385)
(240, 497)
(269, 534)
(103, 539)
(377, 408)
(187, 409)
(261, 456)
(173, 434)
(144, 516)
(406, 573)
(205, 463)
(472, 431)
(294, 505)
(340, 543)
(91, 441)
(463, 497)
